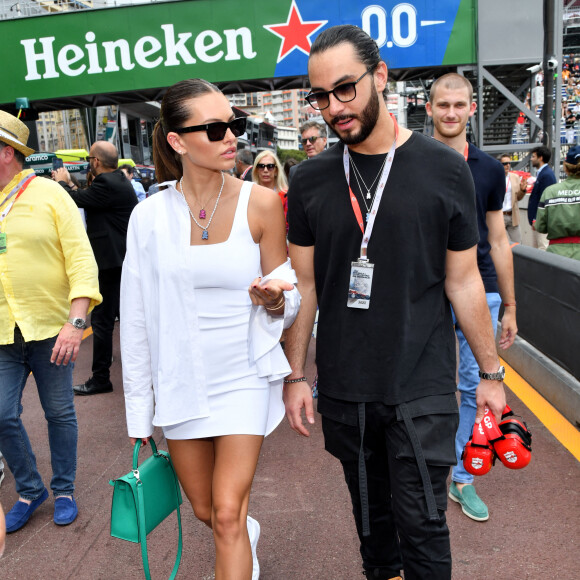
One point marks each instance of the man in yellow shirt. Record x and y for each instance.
(48, 284)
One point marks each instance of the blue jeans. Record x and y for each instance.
(54, 384)
(468, 381)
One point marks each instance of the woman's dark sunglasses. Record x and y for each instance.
(268, 166)
(217, 131)
(345, 93)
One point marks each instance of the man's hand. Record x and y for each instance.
(298, 396)
(67, 345)
(509, 328)
(62, 174)
(490, 394)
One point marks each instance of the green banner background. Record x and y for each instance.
(119, 23)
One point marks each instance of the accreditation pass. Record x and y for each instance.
(359, 287)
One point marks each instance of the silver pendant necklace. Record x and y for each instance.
(367, 206)
(357, 173)
(204, 233)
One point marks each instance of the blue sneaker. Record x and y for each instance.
(65, 511)
(21, 512)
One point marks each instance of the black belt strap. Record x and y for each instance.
(421, 463)
(362, 474)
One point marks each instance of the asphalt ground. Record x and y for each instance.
(300, 499)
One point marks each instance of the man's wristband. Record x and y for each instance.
(509, 304)
(290, 381)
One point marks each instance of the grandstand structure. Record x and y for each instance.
(510, 46)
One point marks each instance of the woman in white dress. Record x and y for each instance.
(206, 292)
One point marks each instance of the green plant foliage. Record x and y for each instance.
(284, 154)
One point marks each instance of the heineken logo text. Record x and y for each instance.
(147, 52)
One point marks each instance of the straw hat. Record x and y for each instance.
(15, 133)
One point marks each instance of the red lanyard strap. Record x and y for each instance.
(378, 194)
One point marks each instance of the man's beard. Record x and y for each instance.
(367, 118)
(450, 133)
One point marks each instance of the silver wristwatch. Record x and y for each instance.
(497, 376)
(79, 323)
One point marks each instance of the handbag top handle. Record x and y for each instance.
(138, 447)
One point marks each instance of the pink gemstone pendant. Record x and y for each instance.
(202, 214)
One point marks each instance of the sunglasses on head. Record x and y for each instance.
(217, 131)
(312, 139)
(268, 166)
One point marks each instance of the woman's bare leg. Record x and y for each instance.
(193, 460)
(236, 458)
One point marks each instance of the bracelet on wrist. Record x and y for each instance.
(290, 381)
(509, 304)
(278, 304)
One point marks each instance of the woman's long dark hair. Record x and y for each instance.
(174, 114)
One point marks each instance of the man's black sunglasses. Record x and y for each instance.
(217, 131)
(311, 139)
(268, 166)
(345, 93)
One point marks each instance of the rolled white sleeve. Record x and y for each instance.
(265, 330)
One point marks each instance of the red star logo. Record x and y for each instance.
(295, 33)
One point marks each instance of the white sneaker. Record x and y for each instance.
(254, 533)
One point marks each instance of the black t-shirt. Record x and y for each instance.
(489, 178)
(403, 346)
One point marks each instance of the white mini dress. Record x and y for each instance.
(240, 402)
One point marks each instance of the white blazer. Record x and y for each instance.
(163, 376)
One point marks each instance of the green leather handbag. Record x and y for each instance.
(143, 498)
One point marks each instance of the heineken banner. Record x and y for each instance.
(155, 45)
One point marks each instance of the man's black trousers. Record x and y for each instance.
(408, 530)
(103, 323)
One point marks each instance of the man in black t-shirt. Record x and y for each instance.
(386, 364)
(451, 106)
